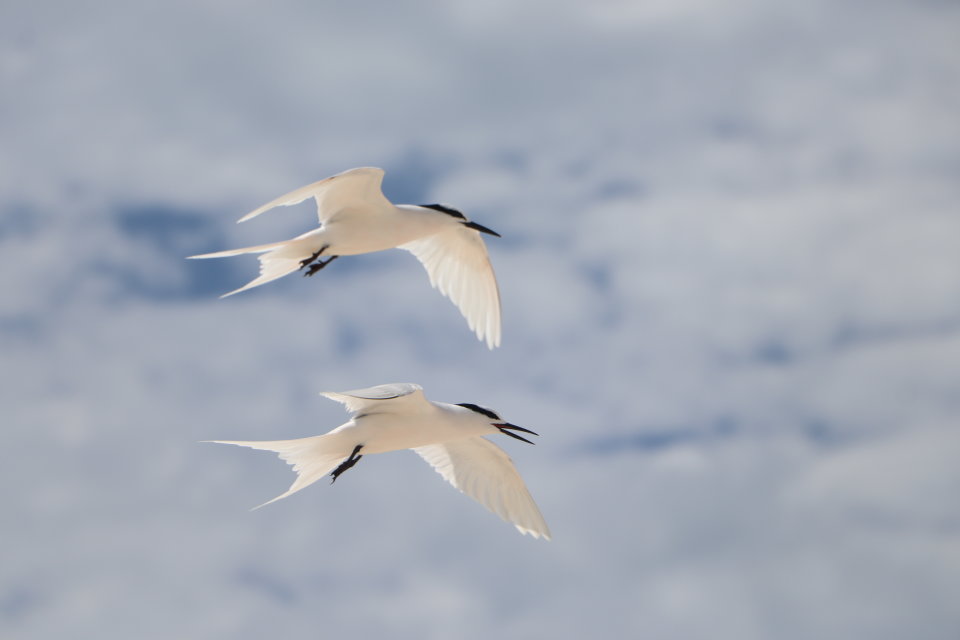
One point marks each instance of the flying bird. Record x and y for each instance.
(355, 217)
(398, 416)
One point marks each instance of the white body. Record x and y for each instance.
(375, 228)
(398, 416)
(394, 431)
(356, 218)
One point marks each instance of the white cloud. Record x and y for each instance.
(730, 306)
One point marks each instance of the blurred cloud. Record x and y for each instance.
(730, 291)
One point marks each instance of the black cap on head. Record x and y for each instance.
(450, 211)
(442, 208)
(478, 409)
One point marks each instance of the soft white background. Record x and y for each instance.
(730, 270)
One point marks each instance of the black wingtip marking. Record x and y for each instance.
(479, 409)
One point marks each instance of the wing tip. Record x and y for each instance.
(489, 335)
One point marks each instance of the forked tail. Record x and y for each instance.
(278, 259)
(311, 458)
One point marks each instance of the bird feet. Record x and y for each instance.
(346, 464)
(320, 264)
(316, 254)
(315, 257)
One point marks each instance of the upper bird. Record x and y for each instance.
(355, 217)
(391, 417)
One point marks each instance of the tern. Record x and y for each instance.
(397, 416)
(355, 217)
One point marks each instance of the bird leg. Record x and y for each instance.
(320, 264)
(346, 464)
(316, 255)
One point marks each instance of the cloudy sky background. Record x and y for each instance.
(731, 290)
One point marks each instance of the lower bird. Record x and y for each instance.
(398, 416)
(355, 217)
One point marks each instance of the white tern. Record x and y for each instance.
(355, 217)
(398, 416)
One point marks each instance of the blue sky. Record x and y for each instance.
(731, 300)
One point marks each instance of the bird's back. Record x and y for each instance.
(389, 431)
(355, 231)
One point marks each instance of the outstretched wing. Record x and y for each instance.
(355, 186)
(483, 471)
(458, 265)
(402, 396)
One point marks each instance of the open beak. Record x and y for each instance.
(504, 426)
(480, 228)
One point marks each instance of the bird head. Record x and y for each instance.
(496, 421)
(454, 213)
